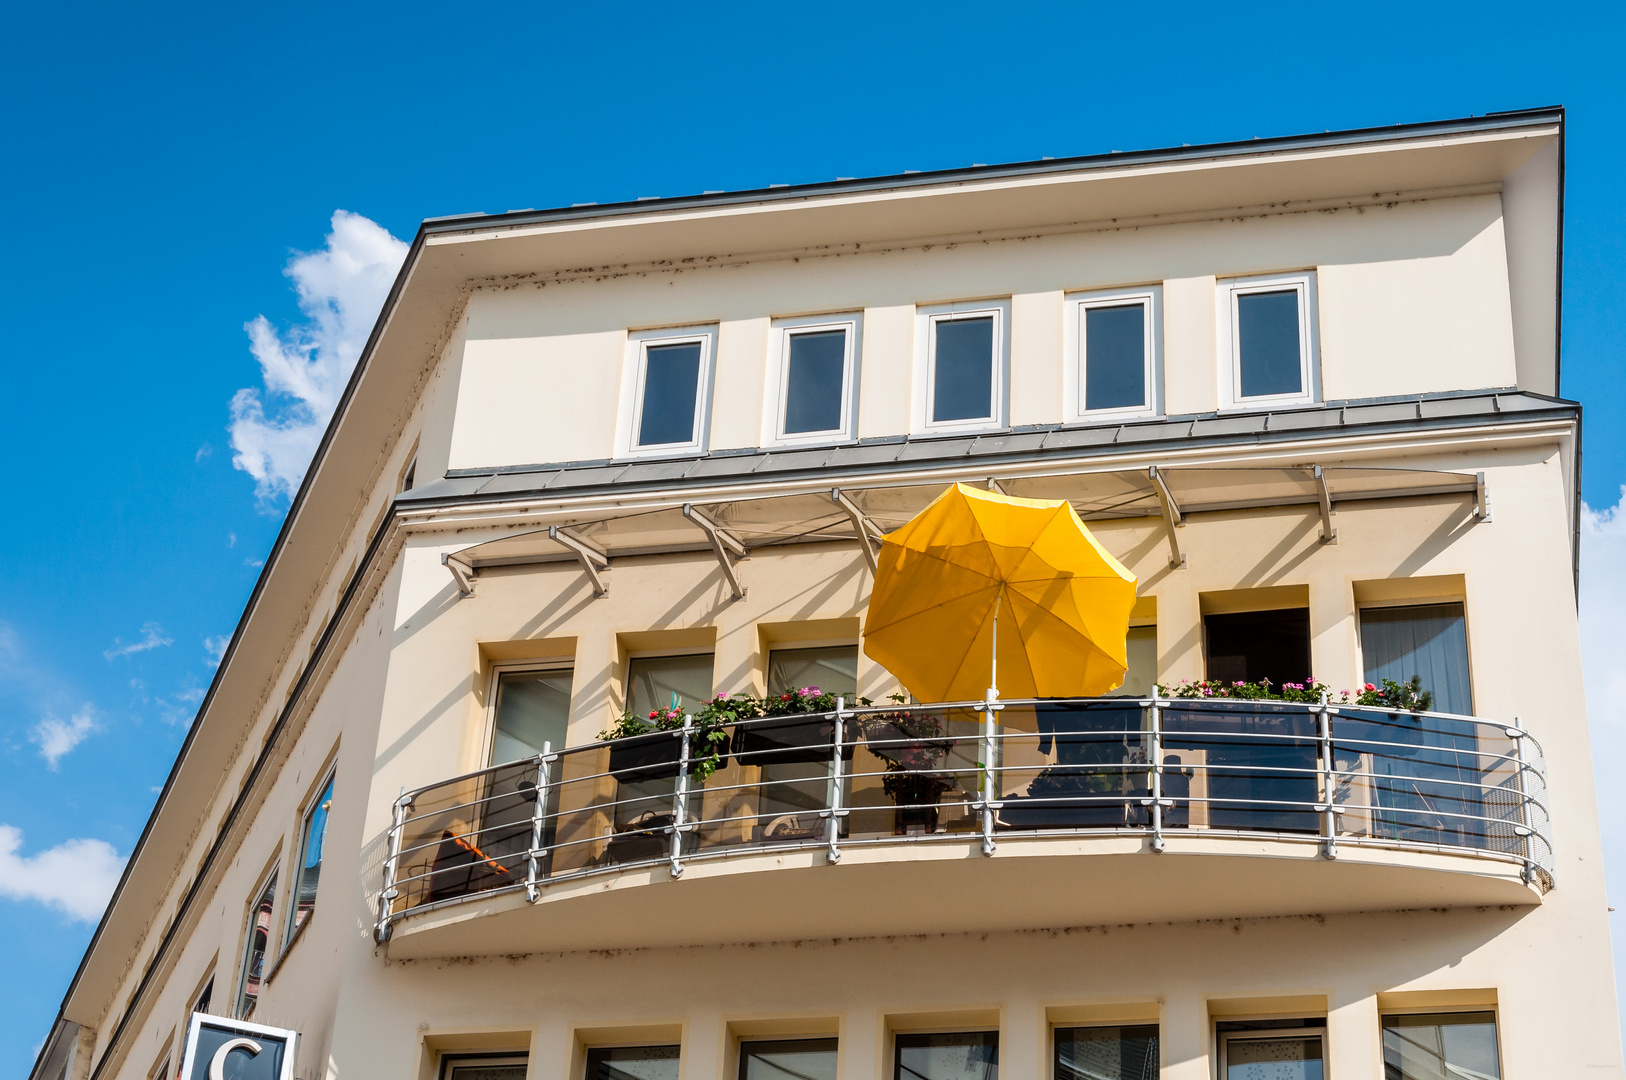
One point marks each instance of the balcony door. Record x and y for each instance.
(1251, 646)
(793, 792)
(653, 683)
(531, 712)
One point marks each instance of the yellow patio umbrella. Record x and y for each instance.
(944, 580)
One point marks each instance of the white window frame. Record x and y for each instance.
(777, 388)
(1271, 1034)
(1073, 384)
(926, 320)
(1229, 341)
(632, 381)
(494, 688)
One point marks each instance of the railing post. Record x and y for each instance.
(1157, 800)
(538, 816)
(1516, 732)
(989, 803)
(386, 896)
(835, 812)
(1329, 780)
(680, 798)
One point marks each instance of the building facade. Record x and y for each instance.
(627, 458)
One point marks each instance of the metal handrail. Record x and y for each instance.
(555, 826)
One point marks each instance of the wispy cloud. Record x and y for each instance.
(215, 649)
(76, 877)
(152, 637)
(1603, 627)
(57, 737)
(274, 430)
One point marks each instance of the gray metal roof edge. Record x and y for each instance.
(1503, 121)
(450, 492)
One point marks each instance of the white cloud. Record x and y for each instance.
(215, 647)
(152, 637)
(76, 876)
(1603, 627)
(341, 288)
(56, 737)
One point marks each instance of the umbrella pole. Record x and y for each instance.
(993, 659)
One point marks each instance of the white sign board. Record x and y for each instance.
(220, 1048)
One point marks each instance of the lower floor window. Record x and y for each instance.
(788, 1059)
(948, 1055)
(1440, 1046)
(483, 1067)
(1272, 1050)
(633, 1062)
(1107, 1053)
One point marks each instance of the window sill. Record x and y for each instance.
(288, 948)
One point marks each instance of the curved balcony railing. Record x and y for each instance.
(924, 773)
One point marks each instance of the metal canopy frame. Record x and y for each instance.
(732, 528)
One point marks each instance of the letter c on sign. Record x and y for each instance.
(217, 1064)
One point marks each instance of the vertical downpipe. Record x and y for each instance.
(834, 813)
(1157, 776)
(386, 897)
(1329, 781)
(538, 816)
(680, 798)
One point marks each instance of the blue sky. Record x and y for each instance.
(161, 166)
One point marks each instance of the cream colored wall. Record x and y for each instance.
(1413, 298)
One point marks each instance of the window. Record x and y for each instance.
(795, 792)
(1440, 1046)
(1113, 355)
(1272, 1050)
(532, 711)
(1430, 640)
(1107, 1053)
(205, 996)
(633, 1063)
(409, 476)
(1267, 340)
(669, 380)
(1251, 646)
(1141, 646)
(811, 383)
(949, 1055)
(961, 366)
(788, 1059)
(483, 1067)
(668, 682)
(256, 941)
(307, 871)
(833, 669)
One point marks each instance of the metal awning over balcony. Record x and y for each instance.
(733, 528)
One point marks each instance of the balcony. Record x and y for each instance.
(1102, 811)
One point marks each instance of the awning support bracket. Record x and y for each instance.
(724, 545)
(593, 559)
(1329, 535)
(867, 531)
(463, 572)
(1172, 518)
(1482, 509)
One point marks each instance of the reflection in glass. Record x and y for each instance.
(1115, 357)
(788, 1059)
(1107, 1053)
(533, 709)
(668, 682)
(1294, 1058)
(1430, 640)
(1440, 1046)
(1268, 341)
(814, 373)
(484, 1067)
(951, 1055)
(834, 670)
(633, 1063)
(963, 369)
(309, 868)
(257, 940)
(671, 391)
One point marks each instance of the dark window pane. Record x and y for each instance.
(955, 1055)
(254, 949)
(833, 670)
(788, 1059)
(1107, 1053)
(1268, 337)
(633, 1063)
(1115, 357)
(671, 389)
(1440, 1046)
(813, 379)
(533, 708)
(1250, 646)
(963, 376)
(484, 1067)
(1430, 640)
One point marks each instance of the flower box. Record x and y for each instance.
(648, 757)
(793, 738)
